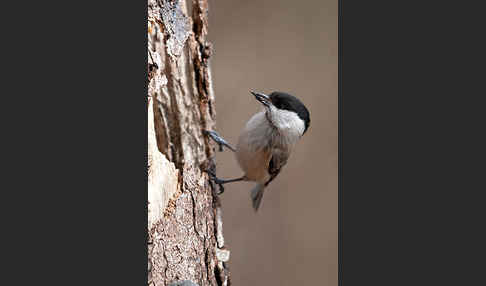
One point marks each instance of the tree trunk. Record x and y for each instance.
(186, 244)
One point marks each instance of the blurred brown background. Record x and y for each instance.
(289, 46)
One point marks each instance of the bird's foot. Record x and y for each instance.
(210, 168)
(219, 140)
(216, 180)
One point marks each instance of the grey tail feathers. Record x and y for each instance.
(257, 195)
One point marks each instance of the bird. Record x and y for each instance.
(266, 142)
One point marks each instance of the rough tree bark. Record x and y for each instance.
(185, 238)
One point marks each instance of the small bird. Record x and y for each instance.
(266, 142)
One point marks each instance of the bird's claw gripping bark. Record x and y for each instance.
(216, 180)
(211, 170)
(219, 140)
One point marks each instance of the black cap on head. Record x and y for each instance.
(285, 101)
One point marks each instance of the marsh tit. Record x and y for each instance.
(266, 142)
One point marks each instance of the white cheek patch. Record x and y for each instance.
(288, 122)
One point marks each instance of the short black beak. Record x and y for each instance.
(264, 99)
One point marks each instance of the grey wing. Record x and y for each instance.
(278, 160)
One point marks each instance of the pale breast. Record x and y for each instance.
(260, 137)
(252, 152)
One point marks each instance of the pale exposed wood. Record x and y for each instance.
(162, 175)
